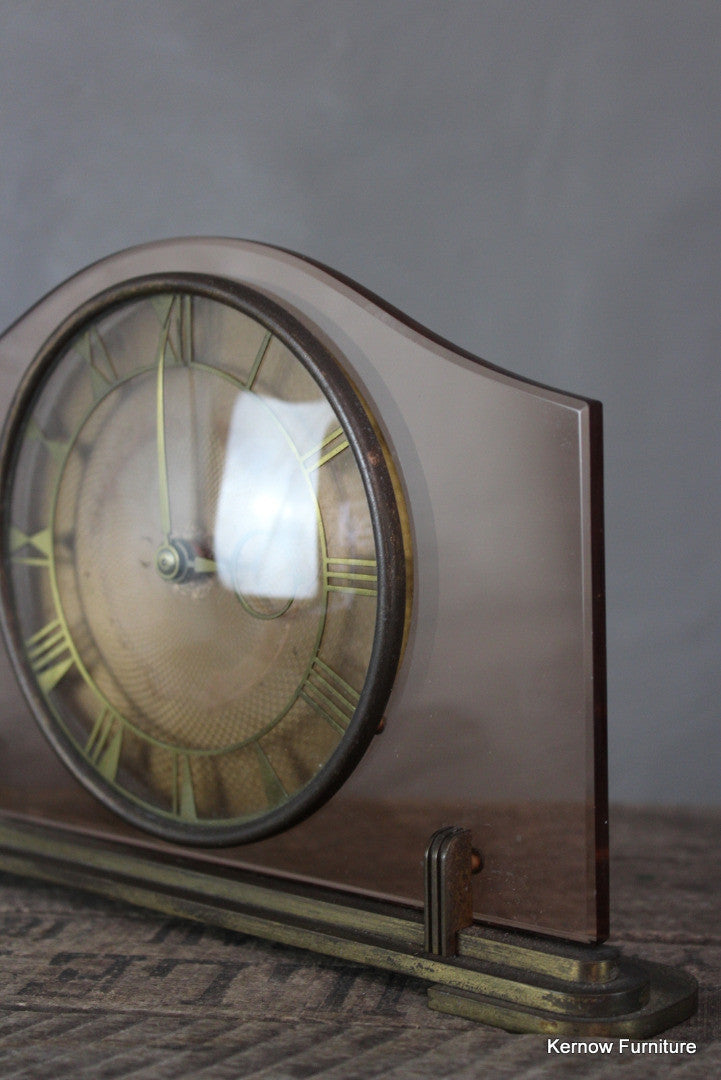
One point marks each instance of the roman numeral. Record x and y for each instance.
(161, 305)
(359, 576)
(259, 357)
(105, 742)
(177, 313)
(185, 329)
(94, 352)
(49, 654)
(183, 793)
(57, 449)
(40, 544)
(275, 793)
(330, 695)
(332, 445)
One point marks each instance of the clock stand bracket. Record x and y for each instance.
(509, 979)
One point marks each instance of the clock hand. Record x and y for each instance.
(199, 565)
(182, 350)
(175, 559)
(160, 430)
(184, 356)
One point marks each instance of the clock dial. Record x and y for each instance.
(204, 557)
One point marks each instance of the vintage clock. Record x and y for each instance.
(308, 607)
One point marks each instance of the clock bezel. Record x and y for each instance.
(390, 531)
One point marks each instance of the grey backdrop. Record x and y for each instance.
(538, 182)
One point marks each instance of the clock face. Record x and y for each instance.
(204, 558)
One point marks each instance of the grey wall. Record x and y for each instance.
(538, 182)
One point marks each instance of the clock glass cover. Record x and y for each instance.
(205, 566)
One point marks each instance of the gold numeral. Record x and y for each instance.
(259, 357)
(94, 352)
(330, 695)
(275, 793)
(105, 743)
(186, 329)
(176, 312)
(161, 305)
(332, 445)
(40, 544)
(183, 793)
(55, 447)
(359, 576)
(49, 654)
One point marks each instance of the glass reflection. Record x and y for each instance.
(267, 521)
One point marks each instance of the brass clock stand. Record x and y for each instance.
(508, 979)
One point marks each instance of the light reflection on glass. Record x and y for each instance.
(267, 522)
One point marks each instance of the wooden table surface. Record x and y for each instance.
(93, 990)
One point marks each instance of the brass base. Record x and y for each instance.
(671, 998)
(520, 982)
